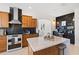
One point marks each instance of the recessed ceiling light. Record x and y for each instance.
(30, 7)
(63, 4)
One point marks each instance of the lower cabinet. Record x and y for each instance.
(3, 43)
(47, 51)
(24, 39)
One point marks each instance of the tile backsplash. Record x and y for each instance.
(29, 30)
(2, 31)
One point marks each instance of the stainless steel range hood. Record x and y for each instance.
(15, 22)
(14, 14)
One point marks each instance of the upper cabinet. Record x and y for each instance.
(30, 21)
(4, 18)
(33, 23)
(27, 21)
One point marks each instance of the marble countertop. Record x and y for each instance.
(39, 43)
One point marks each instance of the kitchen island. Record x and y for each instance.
(41, 46)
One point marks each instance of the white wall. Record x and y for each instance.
(76, 26)
(42, 11)
(53, 23)
(47, 28)
(5, 7)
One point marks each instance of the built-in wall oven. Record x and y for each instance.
(14, 42)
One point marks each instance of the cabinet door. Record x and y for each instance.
(4, 19)
(34, 22)
(24, 21)
(24, 25)
(0, 20)
(24, 40)
(30, 21)
(3, 43)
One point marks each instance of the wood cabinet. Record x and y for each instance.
(47, 51)
(4, 18)
(24, 39)
(33, 23)
(27, 21)
(30, 21)
(3, 43)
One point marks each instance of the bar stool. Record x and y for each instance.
(61, 48)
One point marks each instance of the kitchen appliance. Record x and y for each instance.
(44, 27)
(15, 16)
(14, 42)
(14, 32)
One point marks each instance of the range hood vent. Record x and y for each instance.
(15, 22)
(15, 15)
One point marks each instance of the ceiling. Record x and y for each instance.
(44, 10)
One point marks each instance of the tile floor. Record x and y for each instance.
(23, 51)
(72, 50)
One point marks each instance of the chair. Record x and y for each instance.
(61, 48)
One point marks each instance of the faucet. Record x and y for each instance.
(49, 37)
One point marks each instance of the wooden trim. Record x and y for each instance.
(4, 12)
(24, 15)
(27, 15)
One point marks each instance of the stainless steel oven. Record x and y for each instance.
(14, 42)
